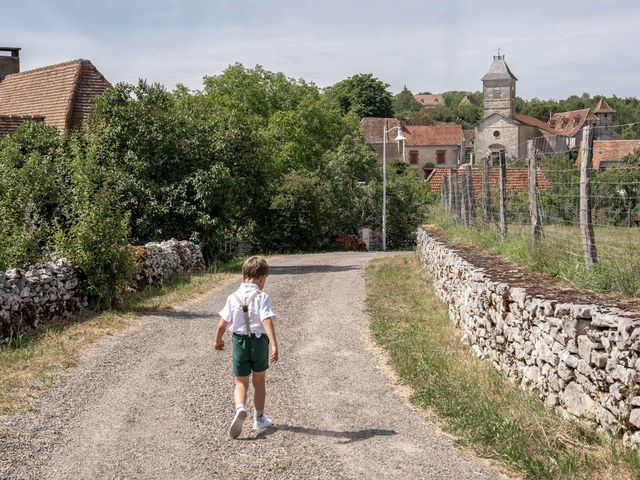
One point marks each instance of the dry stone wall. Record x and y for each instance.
(44, 293)
(582, 359)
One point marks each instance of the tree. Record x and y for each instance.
(404, 103)
(362, 94)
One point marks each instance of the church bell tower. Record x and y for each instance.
(499, 89)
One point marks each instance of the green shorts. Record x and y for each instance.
(249, 354)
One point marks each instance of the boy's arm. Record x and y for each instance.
(220, 329)
(267, 323)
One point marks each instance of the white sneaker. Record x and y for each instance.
(262, 422)
(235, 429)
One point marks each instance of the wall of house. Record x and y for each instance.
(485, 138)
(581, 359)
(525, 132)
(427, 154)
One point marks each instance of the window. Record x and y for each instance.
(441, 156)
(428, 170)
(413, 156)
(496, 133)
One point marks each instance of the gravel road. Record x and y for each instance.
(154, 402)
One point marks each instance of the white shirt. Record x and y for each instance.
(259, 309)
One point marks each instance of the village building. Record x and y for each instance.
(58, 95)
(429, 101)
(426, 147)
(609, 153)
(503, 130)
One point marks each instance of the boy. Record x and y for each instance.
(249, 315)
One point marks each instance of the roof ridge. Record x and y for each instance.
(74, 92)
(48, 67)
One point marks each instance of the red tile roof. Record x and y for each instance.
(517, 179)
(603, 107)
(429, 100)
(61, 93)
(534, 122)
(610, 151)
(8, 123)
(568, 124)
(439, 134)
(373, 128)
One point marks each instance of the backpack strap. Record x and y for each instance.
(245, 309)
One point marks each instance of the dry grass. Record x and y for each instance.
(470, 398)
(33, 362)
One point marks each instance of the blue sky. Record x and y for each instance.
(555, 48)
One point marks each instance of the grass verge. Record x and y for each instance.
(560, 252)
(469, 398)
(33, 362)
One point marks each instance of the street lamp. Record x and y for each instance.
(400, 136)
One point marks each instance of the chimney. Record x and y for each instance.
(9, 63)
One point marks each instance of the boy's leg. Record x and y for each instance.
(240, 392)
(259, 389)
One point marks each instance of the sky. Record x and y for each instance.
(555, 48)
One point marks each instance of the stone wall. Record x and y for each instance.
(582, 359)
(37, 295)
(44, 293)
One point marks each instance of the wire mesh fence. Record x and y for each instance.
(573, 211)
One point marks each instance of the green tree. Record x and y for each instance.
(404, 103)
(364, 95)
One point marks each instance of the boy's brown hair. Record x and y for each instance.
(255, 267)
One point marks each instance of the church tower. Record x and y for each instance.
(499, 89)
(604, 123)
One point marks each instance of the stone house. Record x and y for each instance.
(426, 147)
(429, 101)
(433, 146)
(502, 129)
(59, 95)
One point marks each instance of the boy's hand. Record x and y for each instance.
(219, 344)
(274, 355)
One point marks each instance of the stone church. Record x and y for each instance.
(502, 129)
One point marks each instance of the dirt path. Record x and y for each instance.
(155, 402)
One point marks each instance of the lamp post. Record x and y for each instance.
(400, 136)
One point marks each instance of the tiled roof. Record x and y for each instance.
(429, 100)
(608, 151)
(8, 123)
(373, 128)
(517, 179)
(569, 124)
(603, 107)
(534, 122)
(61, 93)
(440, 134)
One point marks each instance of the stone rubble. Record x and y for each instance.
(48, 292)
(583, 360)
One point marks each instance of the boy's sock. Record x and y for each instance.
(259, 413)
(240, 406)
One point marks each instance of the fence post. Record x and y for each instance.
(534, 212)
(503, 196)
(452, 196)
(586, 224)
(486, 193)
(471, 199)
(457, 201)
(444, 192)
(464, 194)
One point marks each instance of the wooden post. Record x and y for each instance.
(586, 224)
(464, 194)
(503, 196)
(455, 192)
(471, 199)
(452, 196)
(444, 189)
(534, 212)
(486, 193)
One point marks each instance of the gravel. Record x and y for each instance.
(154, 402)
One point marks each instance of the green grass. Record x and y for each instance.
(560, 252)
(32, 362)
(469, 398)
